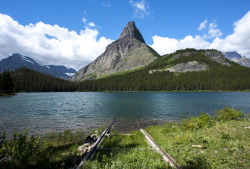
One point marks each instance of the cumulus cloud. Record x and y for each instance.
(213, 31)
(92, 24)
(50, 44)
(141, 8)
(238, 41)
(165, 45)
(203, 25)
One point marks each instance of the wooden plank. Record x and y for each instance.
(94, 146)
(165, 156)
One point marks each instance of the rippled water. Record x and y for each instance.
(43, 112)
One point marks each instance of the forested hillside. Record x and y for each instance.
(27, 80)
(218, 77)
(226, 76)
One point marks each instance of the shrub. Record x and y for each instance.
(194, 123)
(228, 114)
(23, 151)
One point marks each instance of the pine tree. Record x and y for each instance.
(7, 85)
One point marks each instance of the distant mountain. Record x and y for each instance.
(236, 57)
(243, 61)
(232, 55)
(127, 53)
(18, 61)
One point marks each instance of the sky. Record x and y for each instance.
(75, 32)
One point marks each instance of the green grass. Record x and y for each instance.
(224, 143)
(127, 151)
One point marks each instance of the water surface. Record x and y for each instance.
(43, 112)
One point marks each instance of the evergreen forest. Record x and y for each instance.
(218, 77)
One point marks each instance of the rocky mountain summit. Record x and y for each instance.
(127, 53)
(131, 31)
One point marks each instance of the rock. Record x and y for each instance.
(218, 57)
(83, 149)
(131, 31)
(94, 137)
(197, 146)
(188, 67)
(127, 53)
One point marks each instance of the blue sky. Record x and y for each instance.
(165, 25)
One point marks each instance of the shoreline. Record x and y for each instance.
(193, 142)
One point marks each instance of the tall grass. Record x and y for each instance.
(204, 141)
(51, 151)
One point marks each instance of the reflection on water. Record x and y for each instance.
(42, 112)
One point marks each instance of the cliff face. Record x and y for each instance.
(127, 53)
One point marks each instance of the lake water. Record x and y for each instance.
(43, 112)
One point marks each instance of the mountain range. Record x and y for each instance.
(130, 53)
(128, 64)
(18, 61)
(236, 57)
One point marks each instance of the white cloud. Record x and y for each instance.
(50, 44)
(213, 31)
(165, 45)
(238, 41)
(92, 24)
(141, 8)
(84, 20)
(203, 25)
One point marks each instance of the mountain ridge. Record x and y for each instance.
(17, 60)
(236, 57)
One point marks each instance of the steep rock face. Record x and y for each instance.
(131, 31)
(127, 53)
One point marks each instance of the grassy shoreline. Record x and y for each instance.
(203, 141)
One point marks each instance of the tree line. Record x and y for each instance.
(7, 86)
(218, 77)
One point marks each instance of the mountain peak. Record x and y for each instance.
(131, 31)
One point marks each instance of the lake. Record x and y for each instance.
(43, 112)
